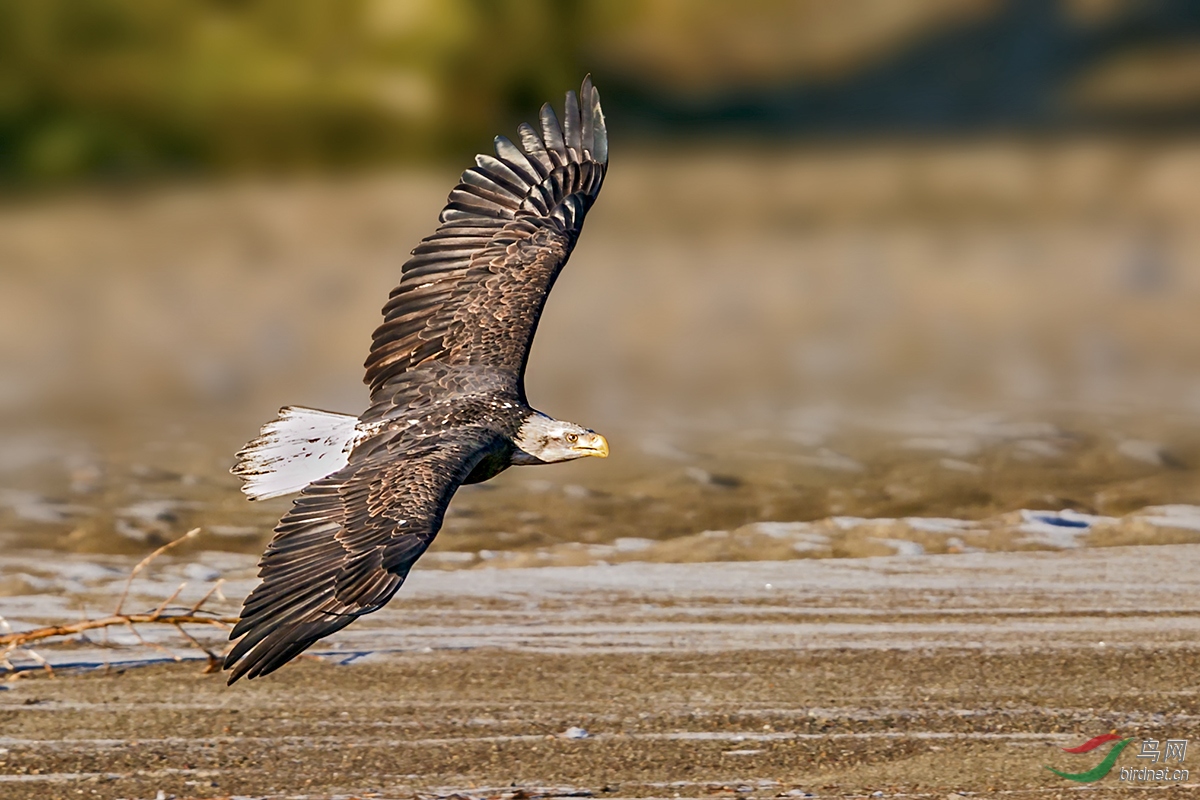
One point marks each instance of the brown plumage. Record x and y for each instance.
(472, 293)
(446, 376)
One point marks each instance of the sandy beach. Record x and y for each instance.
(899, 677)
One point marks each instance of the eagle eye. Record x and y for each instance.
(572, 438)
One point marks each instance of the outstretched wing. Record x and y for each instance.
(472, 293)
(349, 542)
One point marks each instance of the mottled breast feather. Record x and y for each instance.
(472, 293)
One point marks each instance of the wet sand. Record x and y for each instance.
(913, 677)
(763, 337)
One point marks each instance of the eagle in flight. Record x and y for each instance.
(447, 403)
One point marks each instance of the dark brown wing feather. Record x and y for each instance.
(472, 293)
(349, 542)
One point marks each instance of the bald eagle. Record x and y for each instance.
(447, 398)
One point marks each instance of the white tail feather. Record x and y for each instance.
(298, 447)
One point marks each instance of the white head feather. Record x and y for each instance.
(545, 440)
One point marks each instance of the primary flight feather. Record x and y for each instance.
(447, 406)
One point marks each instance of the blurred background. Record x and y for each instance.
(865, 259)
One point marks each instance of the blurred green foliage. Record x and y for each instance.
(133, 88)
(124, 88)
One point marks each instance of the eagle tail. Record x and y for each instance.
(298, 447)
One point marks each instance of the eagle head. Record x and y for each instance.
(545, 440)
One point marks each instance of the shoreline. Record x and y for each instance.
(914, 677)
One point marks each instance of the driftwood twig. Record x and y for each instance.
(12, 640)
(142, 564)
(22, 638)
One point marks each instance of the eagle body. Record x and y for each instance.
(447, 398)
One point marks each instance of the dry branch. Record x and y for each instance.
(142, 565)
(193, 616)
(37, 634)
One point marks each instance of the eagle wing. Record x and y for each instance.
(349, 541)
(472, 293)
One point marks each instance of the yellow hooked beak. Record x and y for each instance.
(592, 444)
